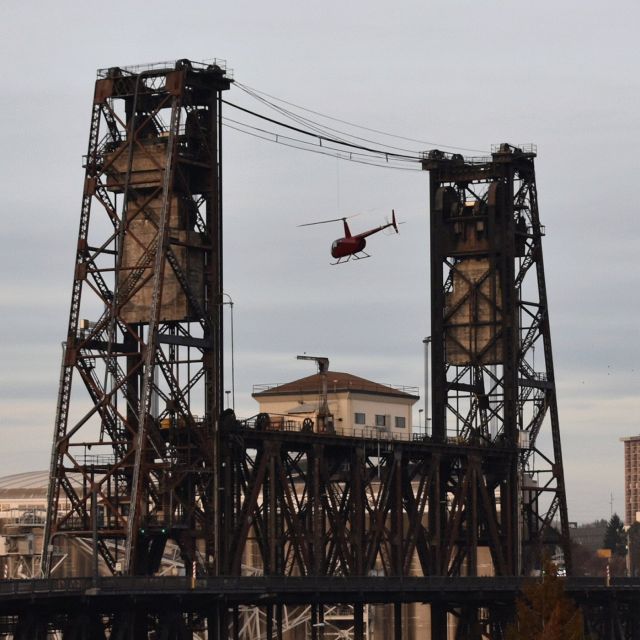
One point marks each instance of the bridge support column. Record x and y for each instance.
(314, 622)
(397, 621)
(438, 622)
(269, 616)
(279, 608)
(218, 622)
(358, 621)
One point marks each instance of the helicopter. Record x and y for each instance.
(352, 246)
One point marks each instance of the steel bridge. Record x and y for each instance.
(144, 454)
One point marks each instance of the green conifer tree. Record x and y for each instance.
(615, 537)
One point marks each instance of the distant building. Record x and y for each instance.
(631, 479)
(590, 536)
(23, 509)
(358, 406)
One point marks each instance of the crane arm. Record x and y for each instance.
(323, 363)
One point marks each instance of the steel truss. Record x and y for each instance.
(297, 504)
(133, 458)
(315, 505)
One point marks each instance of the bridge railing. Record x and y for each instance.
(297, 584)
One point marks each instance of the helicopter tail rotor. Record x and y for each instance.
(391, 225)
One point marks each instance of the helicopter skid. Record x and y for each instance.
(356, 256)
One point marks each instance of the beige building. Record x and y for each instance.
(631, 479)
(358, 406)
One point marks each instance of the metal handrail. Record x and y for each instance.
(168, 65)
(408, 389)
(362, 433)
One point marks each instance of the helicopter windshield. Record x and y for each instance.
(335, 244)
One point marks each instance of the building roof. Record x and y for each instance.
(28, 480)
(336, 382)
(29, 485)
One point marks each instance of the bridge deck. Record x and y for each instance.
(156, 593)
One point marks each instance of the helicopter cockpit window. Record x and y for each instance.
(335, 244)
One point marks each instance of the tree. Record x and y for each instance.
(615, 538)
(544, 612)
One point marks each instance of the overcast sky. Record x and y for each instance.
(563, 75)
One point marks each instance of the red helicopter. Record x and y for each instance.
(351, 246)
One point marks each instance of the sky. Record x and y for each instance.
(562, 75)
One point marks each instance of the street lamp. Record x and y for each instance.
(426, 342)
(233, 369)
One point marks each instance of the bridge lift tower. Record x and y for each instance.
(133, 462)
(493, 383)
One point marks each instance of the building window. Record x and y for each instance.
(381, 421)
(401, 422)
(360, 418)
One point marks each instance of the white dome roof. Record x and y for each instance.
(28, 480)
